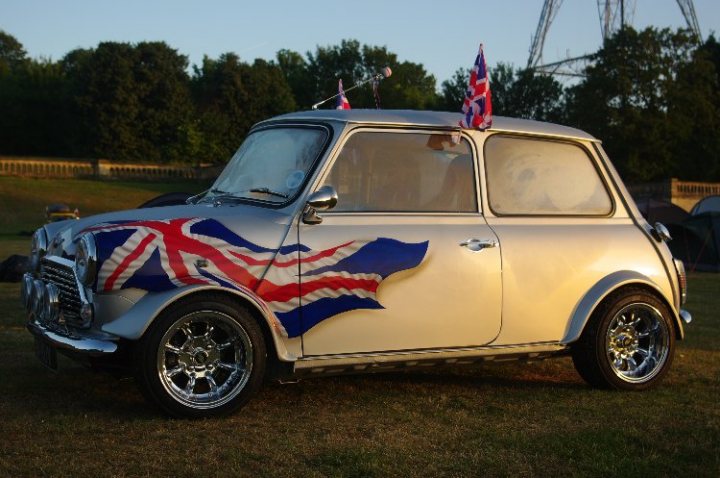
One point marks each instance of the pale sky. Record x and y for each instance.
(443, 36)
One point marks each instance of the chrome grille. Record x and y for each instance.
(63, 276)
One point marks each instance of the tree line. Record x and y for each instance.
(652, 96)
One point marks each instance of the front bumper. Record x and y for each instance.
(85, 342)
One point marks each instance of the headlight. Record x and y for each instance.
(38, 248)
(86, 259)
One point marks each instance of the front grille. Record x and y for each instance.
(63, 276)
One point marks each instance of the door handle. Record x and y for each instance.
(477, 245)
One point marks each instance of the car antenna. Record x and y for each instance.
(385, 73)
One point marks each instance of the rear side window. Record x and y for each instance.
(543, 177)
(404, 172)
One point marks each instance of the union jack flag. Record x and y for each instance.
(342, 101)
(477, 106)
(158, 255)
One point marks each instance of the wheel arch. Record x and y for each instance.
(133, 324)
(608, 286)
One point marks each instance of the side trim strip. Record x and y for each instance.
(355, 363)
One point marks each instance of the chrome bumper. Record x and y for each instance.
(78, 342)
(685, 316)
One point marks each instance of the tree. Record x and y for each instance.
(517, 93)
(316, 77)
(297, 75)
(12, 53)
(626, 100)
(34, 101)
(132, 101)
(452, 92)
(230, 96)
(694, 111)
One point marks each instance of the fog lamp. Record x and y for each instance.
(51, 303)
(26, 291)
(38, 298)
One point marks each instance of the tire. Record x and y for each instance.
(202, 357)
(628, 343)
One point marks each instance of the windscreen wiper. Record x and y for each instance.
(269, 191)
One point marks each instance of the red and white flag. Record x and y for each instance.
(342, 101)
(477, 107)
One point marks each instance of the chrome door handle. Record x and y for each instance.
(477, 245)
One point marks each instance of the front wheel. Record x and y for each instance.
(628, 343)
(201, 358)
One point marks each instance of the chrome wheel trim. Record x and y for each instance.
(204, 359)
(637, 343)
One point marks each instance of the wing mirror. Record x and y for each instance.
(321, 200)
(660, 233)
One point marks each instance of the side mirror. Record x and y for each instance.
(660, 232)
(324, 198)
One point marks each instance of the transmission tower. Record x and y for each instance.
(614, 15)
(547, 15)
(688, 10)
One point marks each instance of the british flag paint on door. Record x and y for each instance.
(158, 255)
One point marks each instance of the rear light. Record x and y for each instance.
(682, 280)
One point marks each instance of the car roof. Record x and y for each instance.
(436, 119)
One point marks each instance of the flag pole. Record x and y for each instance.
(376, 77)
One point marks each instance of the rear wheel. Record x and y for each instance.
(203, 357)
(628, 343)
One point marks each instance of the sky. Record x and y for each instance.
(441, 35)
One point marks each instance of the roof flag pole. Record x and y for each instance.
(385, 73)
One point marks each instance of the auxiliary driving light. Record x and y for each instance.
(26, 291)
(38, 298)
(51, 303)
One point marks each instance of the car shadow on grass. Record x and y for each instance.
(471, 378)
(77, 390)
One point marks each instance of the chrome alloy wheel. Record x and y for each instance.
(205, 359)
(637, 343)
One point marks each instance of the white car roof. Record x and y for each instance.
(436, 119)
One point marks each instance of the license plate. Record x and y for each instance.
(46, 354)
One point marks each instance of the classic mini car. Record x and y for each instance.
(359, 241)
(60, 212)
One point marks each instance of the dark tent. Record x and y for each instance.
(697, 242)
(707, 204)
(661, 211)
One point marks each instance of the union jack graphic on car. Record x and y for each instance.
(158, 255)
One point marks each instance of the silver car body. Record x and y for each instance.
(486, 285)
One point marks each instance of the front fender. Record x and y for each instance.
(133, 323)
(601, 290)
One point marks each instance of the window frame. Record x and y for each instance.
(477, 172)
(593, 162)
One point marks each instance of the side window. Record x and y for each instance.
(404, 172)
(542, 177)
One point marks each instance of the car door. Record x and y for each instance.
(405, 260)
(563, 230)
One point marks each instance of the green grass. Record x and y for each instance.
(23, 200)
(509, 419)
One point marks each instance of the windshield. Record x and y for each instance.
(271, 164)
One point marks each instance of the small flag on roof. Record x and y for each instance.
(477, 106)
(342, 101)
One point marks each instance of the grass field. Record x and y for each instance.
(23, 201)
(510, 419)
